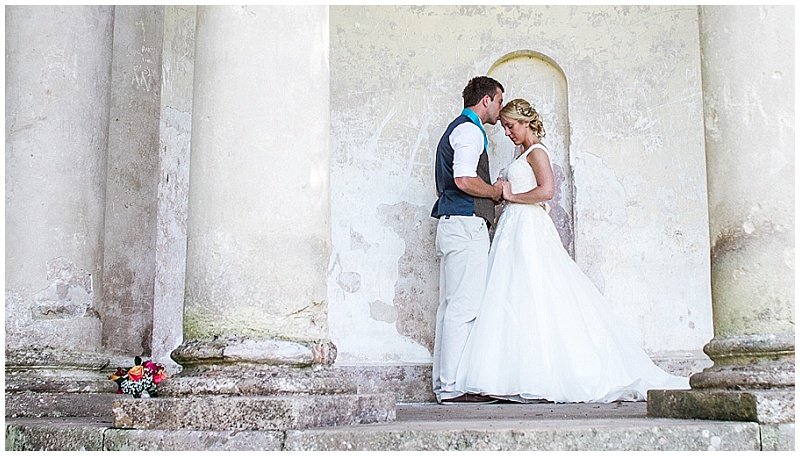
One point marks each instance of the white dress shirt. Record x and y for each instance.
(467, 142)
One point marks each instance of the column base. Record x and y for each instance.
(255, 380)
(752, 379)
(762, 406)
(218, 351)
(237, 383)
(748, 362)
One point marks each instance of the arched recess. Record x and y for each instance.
(538, 79)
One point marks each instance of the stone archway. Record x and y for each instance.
(538, 79)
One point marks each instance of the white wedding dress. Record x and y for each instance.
(543, 330)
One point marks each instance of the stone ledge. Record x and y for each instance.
(762, 406)
(546, 435)
(247, 413)
(411, 383)
(428, 427)
(42, 434)
(252, 380)
(777, 437)
(185, 440)
(31, 404)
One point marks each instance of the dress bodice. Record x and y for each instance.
(520, 174)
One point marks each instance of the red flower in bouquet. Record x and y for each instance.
(160, 375)
(156, 371)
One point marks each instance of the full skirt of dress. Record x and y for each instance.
(544, 331)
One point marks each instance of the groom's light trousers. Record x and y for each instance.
(462, 245)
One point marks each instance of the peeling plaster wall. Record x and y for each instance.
(636, 147)
(131, 205)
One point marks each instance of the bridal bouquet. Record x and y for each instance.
(140, 380)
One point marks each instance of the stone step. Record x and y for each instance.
(36, 405)
(544, 435)
(252, 413)
(429, 427)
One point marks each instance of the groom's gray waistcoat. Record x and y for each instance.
(452, 200)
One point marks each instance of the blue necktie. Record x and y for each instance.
(477, 121)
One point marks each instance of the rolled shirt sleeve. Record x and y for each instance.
(467, 142)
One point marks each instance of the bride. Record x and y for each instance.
(543, 331)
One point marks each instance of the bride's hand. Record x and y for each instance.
(507, 194)
(497, 188)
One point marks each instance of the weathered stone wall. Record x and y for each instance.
(94, 162)
(638, 230)
(635, 145)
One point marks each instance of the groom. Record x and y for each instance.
(465, 209)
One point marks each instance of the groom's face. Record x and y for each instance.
(495, 105)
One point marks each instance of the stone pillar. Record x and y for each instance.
(256, 341)
(173, 185)
(258, 227)
(748, 93)
(132, 182)
(58, 66)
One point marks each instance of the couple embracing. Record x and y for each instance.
(520, 321)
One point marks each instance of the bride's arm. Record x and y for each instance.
(540, 163)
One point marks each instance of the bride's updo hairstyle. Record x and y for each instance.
(520, 110)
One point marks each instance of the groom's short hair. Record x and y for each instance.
(478, 87)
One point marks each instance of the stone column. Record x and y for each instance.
(258, 226)
(255, 329)
(748, 93)
(132, 182)
(58, 66)
(173, 185)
